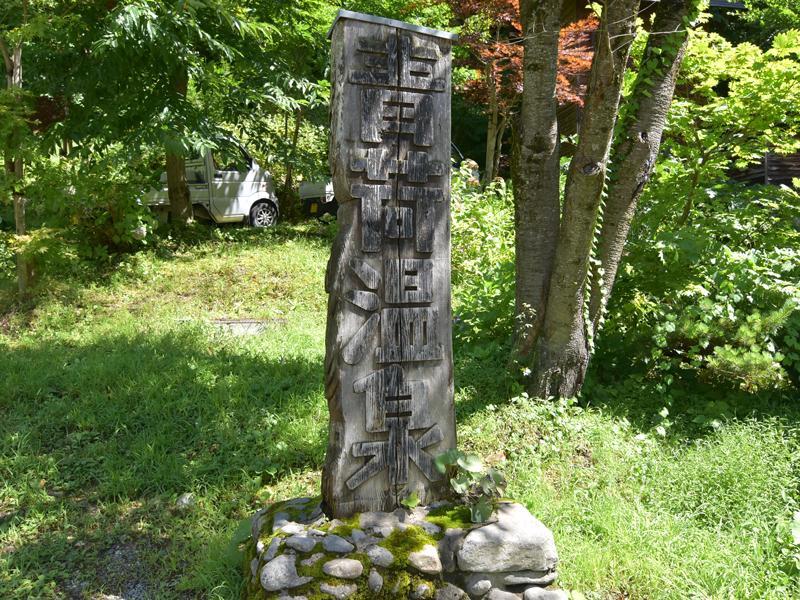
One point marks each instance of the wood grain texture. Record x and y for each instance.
(388, 364)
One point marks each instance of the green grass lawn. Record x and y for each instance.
(118, 393)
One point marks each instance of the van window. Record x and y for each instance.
(230, 158)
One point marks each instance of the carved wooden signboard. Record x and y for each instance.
(389, 372)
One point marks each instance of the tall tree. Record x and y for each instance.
(557, 261)
(144, 69)
(12, 36)
(490, 33)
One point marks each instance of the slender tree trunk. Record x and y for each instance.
(15, 167)
(562, 349)
(635, 155)
(287, 182)
(180, 202)
(492, 126)
(498, 145)
(536, 158)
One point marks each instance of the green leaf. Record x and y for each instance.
(411, 501)
(481, 510)
(233, 555)
(460, 483)
(471, 463)
(445, 459)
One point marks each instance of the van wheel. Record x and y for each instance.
(263, 214)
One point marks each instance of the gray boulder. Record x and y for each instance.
(380, 556)
(281, 573)
(529, 578)
(272, 550)
(340, 592)
(451, 592)
(478, 584)
(301, 542)
(517, 541)
(374, 581)
(537, 593)
(335, 543)
(426, 560)
(498, 594)
(343, 568)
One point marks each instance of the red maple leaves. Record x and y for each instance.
(492, 34)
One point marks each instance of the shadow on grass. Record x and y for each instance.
(143, 413)
(134, 420)
(694, 408)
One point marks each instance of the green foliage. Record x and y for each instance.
(473, 487)
(733, 104)
(411, 501)
(708, 289)
(483, 258)
(770, 17)
(95, 199)
(718, 299)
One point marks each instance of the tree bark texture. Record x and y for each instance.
(180, 201)
(536, 176)
(562, 349)
(635, 155)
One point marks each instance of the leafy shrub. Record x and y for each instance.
(97, 199)
(483, 257)
(470, 484)
(6, 255)
(718, 297)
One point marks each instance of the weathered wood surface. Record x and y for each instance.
(389, 372)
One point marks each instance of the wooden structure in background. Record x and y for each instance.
(388, 364)
(773, 169)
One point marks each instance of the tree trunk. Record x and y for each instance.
(15, 167)
(287, 182)
(562, 349)
(635, 155)
(180, 202)
(498, 145)
(492, 126)
(536, 154)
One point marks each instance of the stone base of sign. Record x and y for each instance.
(432, 552)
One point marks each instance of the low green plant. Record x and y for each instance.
(473, 486)
(483, 259)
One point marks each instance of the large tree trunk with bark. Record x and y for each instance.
(561, 291)
(562, 349)
(180, 202)
(536, 168)
(15, 167)
(635, 155)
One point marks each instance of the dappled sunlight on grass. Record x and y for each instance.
(121, 395)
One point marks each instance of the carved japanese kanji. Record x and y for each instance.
(388, 365)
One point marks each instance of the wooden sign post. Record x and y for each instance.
(389, 369)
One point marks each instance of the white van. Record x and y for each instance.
(317, 198)
(227, 186)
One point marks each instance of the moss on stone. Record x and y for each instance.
(450, 517)
(402, 543)
(347, 526)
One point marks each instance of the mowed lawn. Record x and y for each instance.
(120, 391)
